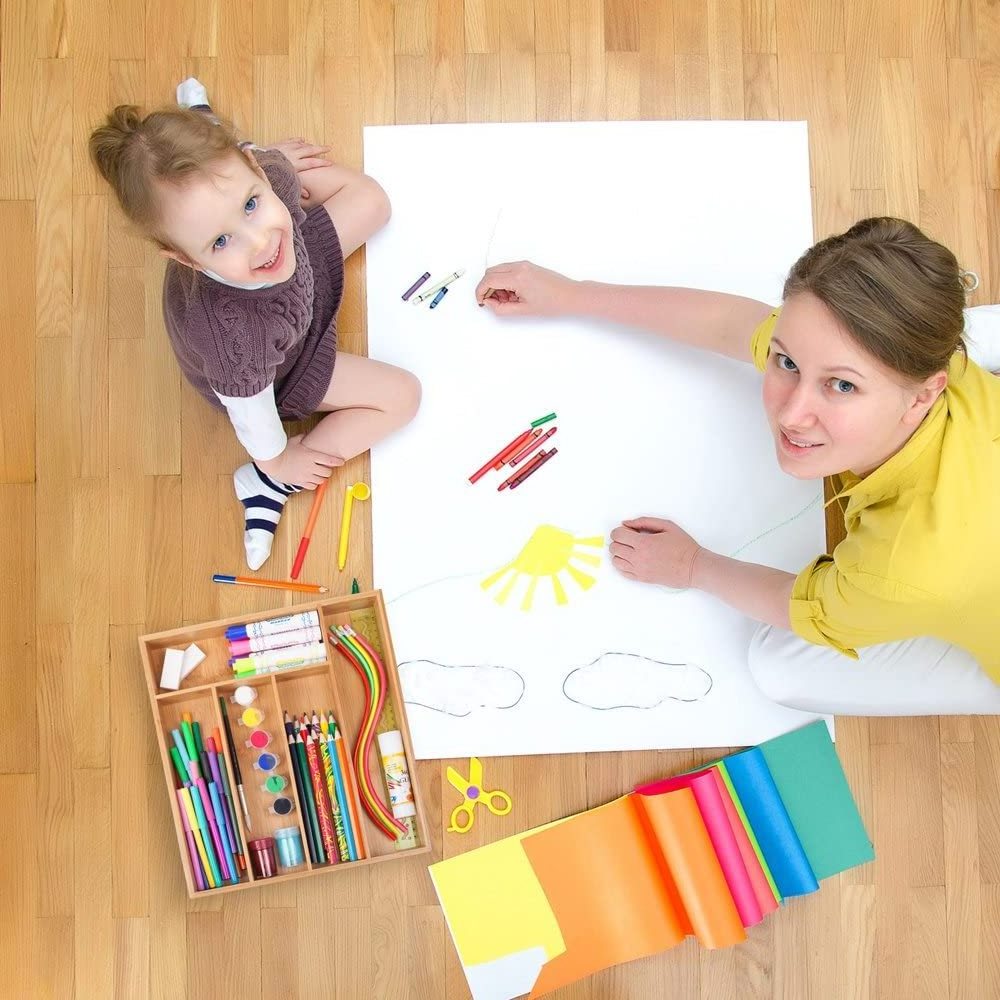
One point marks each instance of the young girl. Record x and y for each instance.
(252, 288)
(866, 380)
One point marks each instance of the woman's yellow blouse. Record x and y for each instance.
(922, 552)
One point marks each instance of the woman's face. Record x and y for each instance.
(230, 222)
(833, 407)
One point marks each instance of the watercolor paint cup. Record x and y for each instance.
(262, 858)
(275, 784)
(266, 761)
(260, 739)
(281, 806)
(251, 718)
(289, 845)
(244, 696)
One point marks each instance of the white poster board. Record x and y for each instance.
(645, 427)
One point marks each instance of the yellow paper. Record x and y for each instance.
(495, 904)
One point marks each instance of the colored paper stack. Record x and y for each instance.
(276, 644)
(708, 853)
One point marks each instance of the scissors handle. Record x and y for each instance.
(488, 798)
(463, 809)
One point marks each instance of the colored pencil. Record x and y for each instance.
(301, 787)
(300, 750)
(327, 750)
(527, 472)
(491, 464)
(323, 808)
(250, 581)
(345, 774)
(318, 494)
(525, 452)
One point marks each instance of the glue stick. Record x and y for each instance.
(397, 777)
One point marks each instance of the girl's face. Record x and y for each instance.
(231, 223)
(832, 406)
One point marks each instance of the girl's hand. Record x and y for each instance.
(299, 465)
(654, 551)
(525, 289)
(304, 156)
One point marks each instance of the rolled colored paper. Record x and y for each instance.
(705, 787)
(603, 881)
(196, 871)
(771, 825)
(822, 810)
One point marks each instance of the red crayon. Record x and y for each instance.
(520, 474)
(492, 463)
(545, 456)
(531, 446)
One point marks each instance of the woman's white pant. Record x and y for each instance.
(914, 677)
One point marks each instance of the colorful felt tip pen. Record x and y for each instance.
(437, 298)
(416, 284)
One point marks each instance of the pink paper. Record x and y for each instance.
(761, 886)
(713, 811)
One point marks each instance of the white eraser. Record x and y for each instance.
(192, 657)
(170, 676)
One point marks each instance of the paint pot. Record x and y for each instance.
(244, 696)
(260, 739)
(251, 718)
(281, 806)
(262, 859)
(275, 783)
(289, 846)
(266, 761)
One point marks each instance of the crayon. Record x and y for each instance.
(527, 472)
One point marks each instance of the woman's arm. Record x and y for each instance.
(759, 592)
(714, 321)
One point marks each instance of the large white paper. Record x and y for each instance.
(646, 427)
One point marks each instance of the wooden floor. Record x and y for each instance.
(116, 503)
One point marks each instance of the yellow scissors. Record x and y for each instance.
(472, 792)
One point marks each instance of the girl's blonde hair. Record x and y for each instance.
(899, 293)
(134, 154)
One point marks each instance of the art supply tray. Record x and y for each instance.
(329, 686)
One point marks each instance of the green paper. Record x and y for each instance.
(814, 789)
(749, 829)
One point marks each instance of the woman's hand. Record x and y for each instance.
(299, 465)
(654, 551)
(303, 156)
(525, 289)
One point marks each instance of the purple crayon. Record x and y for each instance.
(416, 284)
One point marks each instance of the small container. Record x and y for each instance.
(397, 777)
(244, 696)
(266, 761)
(260, 739)
(289, 845)
(281, 806)
(251, 718)
(275, 783)
(262, 859)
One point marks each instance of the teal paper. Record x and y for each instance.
(812, 785)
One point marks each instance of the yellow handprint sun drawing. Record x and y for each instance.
(548, 553)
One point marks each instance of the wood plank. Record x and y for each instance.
(21, 959)
(94, 927)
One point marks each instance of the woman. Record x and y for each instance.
(866, 380)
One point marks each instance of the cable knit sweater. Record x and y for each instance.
(237, 342)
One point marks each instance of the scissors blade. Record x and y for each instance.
(457, 781)
(475, 772)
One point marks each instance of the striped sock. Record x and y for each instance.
(263, 501)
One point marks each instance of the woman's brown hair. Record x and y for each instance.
(899, 293)
(134, 154)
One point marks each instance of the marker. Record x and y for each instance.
(531, 446)
(437, 298)
(527, 472)
(434, 289)
(516, 476)
(300, 556)
(416, 284)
